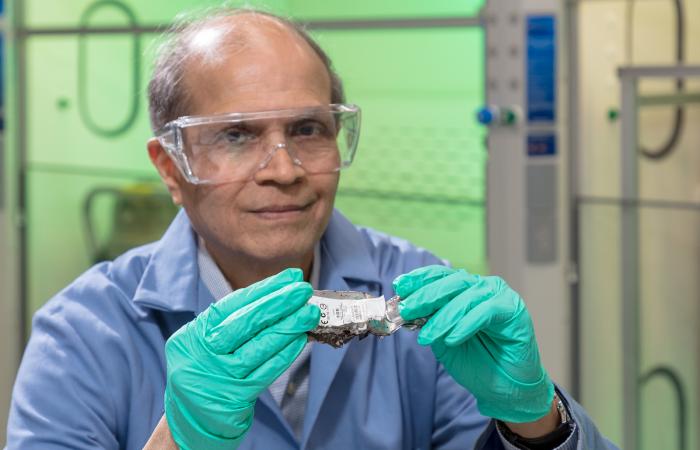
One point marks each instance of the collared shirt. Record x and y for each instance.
(93, 373)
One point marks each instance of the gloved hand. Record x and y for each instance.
(482, 333)
(219, 363)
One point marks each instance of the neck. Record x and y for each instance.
(241, 271)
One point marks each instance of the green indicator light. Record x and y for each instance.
(509, 117)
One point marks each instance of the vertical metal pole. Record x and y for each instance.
(12, 318)
(21, 148)
(22, 120)
(571, 11)
(629, 248)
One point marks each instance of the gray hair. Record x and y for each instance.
(168, 98)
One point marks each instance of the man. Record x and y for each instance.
(247, 143)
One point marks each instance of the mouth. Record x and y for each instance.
(280, 212)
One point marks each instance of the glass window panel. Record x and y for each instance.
(677, 176)
(58, 248)
(670, 323)
(599, 289)
(418, 135)
(57, 133)
(669, 289)
(451, 231)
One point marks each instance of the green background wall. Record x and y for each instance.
(420, 167)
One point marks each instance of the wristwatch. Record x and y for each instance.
(547, 442)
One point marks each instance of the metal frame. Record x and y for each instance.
(21, 164)
(358, 24)
(12, 322)
(571, 12)
(629, 227)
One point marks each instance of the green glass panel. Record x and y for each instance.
(419, 139)
(668, 314)
(68, 115)
(58, 245)
(454, 232)
(419, 172)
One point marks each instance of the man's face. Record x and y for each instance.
(281, 211)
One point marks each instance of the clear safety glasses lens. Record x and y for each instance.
(232, 147)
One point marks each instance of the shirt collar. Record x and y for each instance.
(216, 283)
(210, 274)
(172, 280)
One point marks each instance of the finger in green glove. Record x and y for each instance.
(482, 333)
(218, 364)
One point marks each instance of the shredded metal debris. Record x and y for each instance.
(349, 314)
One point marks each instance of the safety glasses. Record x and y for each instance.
(233, 147)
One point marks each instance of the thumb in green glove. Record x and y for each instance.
(481, 331)
(218, 364)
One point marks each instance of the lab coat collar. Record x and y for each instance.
(171, 282)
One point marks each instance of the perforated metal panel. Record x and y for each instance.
(433, 161)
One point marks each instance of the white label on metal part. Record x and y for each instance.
(336, 312)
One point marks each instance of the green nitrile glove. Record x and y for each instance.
(220, 362)
(482, 333)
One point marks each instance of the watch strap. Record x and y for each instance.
(547, 442)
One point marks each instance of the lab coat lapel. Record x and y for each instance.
(266, 400)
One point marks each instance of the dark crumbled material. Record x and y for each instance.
(337, 336)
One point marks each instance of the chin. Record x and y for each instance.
(282, 248)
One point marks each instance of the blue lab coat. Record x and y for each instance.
(93, 374)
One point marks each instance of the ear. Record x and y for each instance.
(166, 169)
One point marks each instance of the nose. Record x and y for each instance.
(280, 165)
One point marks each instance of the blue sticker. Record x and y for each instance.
(541, 145)
(541, 69)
